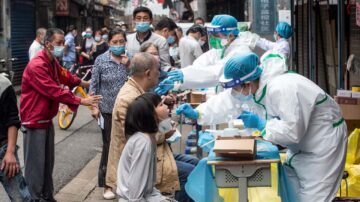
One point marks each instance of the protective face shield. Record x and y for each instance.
(219, 36)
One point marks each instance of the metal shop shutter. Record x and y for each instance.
(22, 34)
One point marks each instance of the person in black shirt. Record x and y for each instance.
(10, 174)
(100, 45)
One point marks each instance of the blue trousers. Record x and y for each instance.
(15, 187)
(185, 165)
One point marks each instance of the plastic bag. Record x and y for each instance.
(353, 152)
(352, 166)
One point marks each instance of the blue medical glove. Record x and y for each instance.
(176, 75)
(252, 120)
(164, 86)
(188, 111)
(206, 141)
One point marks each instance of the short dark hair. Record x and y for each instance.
(116, 31)
(200, 18)
(165, 22)
(196, 28)
(49, 36)
(71, 28)
(142, 9)
(141, 115)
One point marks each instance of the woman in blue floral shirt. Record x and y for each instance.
(109, 74)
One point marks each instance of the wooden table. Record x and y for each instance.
(243, 174)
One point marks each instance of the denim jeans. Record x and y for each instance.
(15, 187)
(185, 165)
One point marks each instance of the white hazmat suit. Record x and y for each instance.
(217, 109)
(208, 68)
(303, 118)
(280, 46)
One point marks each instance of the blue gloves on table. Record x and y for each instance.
(188, 111)
(165, 86)
(252, 120)
(176, 75)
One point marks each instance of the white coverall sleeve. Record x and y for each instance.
(217, 109)
(290, 116)
(204, 74)
(265, 44)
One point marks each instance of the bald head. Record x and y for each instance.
(145, 70)
(141, 62)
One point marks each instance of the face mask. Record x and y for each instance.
(201, 42)
(165, 125)
(217, 43)
(58, 51)
(97, 38)
(171, 39)
(174, 138)
(105, 36)
(142, 26)
(87, 35)
(241, 97)
(117, 50)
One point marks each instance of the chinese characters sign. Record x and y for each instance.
(264, 16)
(62, 8)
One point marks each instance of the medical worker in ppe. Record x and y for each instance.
(231, 102)
(283, 32)
(303, 118)
(208, 68)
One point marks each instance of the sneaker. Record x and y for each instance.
(108, 194)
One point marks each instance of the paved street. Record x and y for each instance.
(74, 148)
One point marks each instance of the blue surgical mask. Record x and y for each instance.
(117, 50)
(105, 36)
(97, 38)
(142, 26)
(58, 51)
(171, 39)
(241, 97)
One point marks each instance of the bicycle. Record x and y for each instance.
(65, 115)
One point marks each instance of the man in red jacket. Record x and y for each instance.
(41, 93)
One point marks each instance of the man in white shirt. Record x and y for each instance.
(189, 46)
(37, 45)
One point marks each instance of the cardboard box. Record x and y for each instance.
(197, 97)
(241, 148)
(343, 93)
(346, 100)
(350, 107)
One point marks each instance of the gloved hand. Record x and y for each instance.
(252, 120)
(165, 86)
(188, 111)
(206, 141)
(176, 75)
